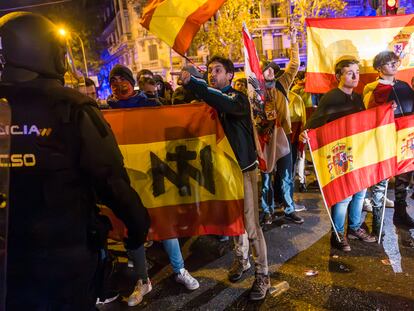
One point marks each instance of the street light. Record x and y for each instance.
(64, 33)
(391, 7)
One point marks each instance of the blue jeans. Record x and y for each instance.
(267, 202)
(283, 184)
(339, 210)
(172, 247)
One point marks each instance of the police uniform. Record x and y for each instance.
(63, 158)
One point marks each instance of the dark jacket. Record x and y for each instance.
(65, 158)
(234, 113)
(381, 91)
(334, 105)
(138, 100)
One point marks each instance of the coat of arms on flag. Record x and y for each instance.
(349, 154)
(405, 144)
(340, 160)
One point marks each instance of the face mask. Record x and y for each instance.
(151, 95)
(122, 90)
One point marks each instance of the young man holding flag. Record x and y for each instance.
(337, 103)
(384, 90)
(233, 109)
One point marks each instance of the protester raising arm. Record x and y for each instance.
(235, 104)
(286, 79)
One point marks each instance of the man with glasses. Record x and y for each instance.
(387, 89)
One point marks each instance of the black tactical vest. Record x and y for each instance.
(51, 202)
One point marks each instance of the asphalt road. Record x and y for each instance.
(370, 277)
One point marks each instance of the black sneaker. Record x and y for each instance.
(260, 287)
(294, 218)
(342, 245)
(237, 269)
(403, 220)
(362, 235)
(267, 219)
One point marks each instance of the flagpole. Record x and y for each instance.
(190, 61)
(323, 195)
(383, 213)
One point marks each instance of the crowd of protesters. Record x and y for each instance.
(287, 106)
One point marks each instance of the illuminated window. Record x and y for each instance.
(153, 52)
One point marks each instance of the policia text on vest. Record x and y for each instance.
(21, 160)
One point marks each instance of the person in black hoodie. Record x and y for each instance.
(72, 160)
(233, 109)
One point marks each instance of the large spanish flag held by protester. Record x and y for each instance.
(354, 152)
(176, 22)
(273, 144)
(182, 166)
(361, 37)
(405, 144)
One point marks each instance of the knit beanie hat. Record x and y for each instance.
(267, 64)
(122, 71)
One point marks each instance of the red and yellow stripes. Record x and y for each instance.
(405, 144)
(176, 22)
(220, 218)
(349, 153)
(141, 126)
(332, 38)
(182, 165)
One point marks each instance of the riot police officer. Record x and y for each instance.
(63, 158)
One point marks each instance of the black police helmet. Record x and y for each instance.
(31, 42)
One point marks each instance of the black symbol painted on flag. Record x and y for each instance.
(185, 171)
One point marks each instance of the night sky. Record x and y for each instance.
(10, 5)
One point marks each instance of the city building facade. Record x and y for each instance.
(132, 45)
(117, 37)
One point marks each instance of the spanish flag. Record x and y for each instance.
(182, 166)
(354, 152)
(361, 37)
(176, 22)
(405, 144)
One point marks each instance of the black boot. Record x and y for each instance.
(403, 220)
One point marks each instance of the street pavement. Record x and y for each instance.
(370, 277)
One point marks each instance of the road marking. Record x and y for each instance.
(390, 242)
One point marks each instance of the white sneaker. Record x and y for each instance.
(389, 203)
(139, 292)
(185, 278)
(107, 300)
(299, 208)
(367, 206)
